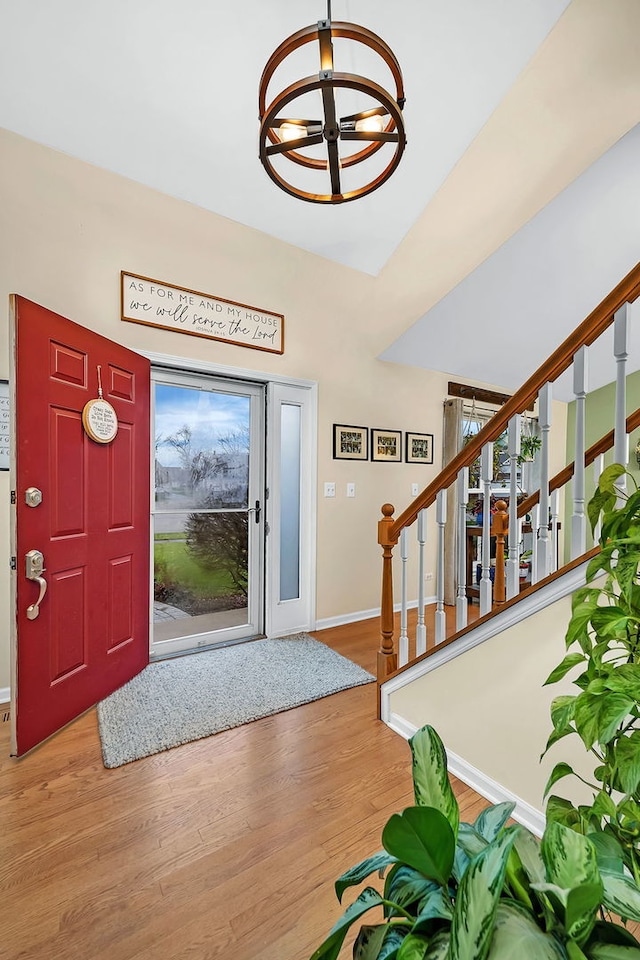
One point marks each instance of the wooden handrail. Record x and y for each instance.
(589, 330)
(595, 450)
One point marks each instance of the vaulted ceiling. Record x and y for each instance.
(508, 101)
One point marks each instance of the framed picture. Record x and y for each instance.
(350, 443)
(386, 445)
(419, 448)
(4, 424)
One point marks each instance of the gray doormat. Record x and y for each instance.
(183, 699)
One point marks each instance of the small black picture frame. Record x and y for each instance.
(418, 448)
(350, 442)
(386, 445)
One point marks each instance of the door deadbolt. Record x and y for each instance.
(33, 497)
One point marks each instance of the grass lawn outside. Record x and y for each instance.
(184, 570)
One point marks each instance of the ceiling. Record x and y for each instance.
(508, 103)
(165, 92)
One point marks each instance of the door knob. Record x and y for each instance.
(34, 568)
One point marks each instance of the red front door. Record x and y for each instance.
(91, 631)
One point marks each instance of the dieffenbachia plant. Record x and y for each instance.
(483, 891)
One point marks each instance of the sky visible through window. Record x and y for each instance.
(211, 416)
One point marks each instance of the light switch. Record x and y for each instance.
(351, 489)
(329, 489)
(414, 490)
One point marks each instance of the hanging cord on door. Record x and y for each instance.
(100, 381)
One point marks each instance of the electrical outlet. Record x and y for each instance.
(414, 490)
(351, 489)
(329, 489)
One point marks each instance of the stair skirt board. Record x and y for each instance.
(492, 791)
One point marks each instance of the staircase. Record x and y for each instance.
(555, 511)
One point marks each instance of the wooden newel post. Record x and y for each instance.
(500, 527)
(387, 657)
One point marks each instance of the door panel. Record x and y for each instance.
(91, 634)
(208, 534)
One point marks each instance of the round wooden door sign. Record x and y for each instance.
(100, 420)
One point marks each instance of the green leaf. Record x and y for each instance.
(600, 501)
(555, 736)
(608, 477)
(422, 838)
(613, 951)
(330, 948)
(608, 851)
(435, 906)
(559, 771)
(470, 840)
(518, 937)
(439, 947)
(361, 871)
(528, 849)
(562, 811)
(625, 679)
(378, 943)
(492, 820)
(603, 806)
(431, 785)
(405, 886)
(570, 859)
(562, 711)
(597, 718)
(627, 759)
(414, 947)
(571, 660)
(575, 907)
(368, 943)
(601, 561)
(621, 895)
(606, 932)
(477, 899)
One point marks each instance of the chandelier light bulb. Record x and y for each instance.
(292, 131)
(373, 124)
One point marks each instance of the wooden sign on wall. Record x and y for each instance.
(164, 305)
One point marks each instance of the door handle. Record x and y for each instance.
(34, 564)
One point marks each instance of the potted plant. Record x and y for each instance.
(483, 891)
(529, 446)
(490, 890)
(603, 643)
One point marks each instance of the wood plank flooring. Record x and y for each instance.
(227, 847)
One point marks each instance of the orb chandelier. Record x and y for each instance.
(283, 134)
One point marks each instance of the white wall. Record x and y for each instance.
(68, 230)
(491, 709)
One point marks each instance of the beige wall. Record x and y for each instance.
(67, 231)
(490, 708)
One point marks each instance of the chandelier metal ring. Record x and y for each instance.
(330, 128)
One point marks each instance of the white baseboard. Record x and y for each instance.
(5, 695)
(344, 618)
(488, 788)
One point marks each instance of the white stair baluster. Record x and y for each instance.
(579, 518)
(598, 467)
(403, 639)
(421, 630)
(441, 519)
(542, 545)
(621, 352)
(535, 515)
(486, 475)
(513, 563)
(555, 520)
(462, 604)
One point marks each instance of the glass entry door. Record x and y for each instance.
(207, 517)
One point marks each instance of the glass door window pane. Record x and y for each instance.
(202, 544)
(289, 501)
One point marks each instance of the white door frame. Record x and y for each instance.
(292, 615)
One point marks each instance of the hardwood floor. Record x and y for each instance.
(227, 847)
